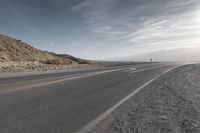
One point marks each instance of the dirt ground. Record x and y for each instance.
(36, 66)
(171, 104)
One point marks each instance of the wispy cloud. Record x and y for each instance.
(97, 29)
(144, 22)
(50, 42)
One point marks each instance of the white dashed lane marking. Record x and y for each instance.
(131, 69)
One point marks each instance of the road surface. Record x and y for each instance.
(66, 102)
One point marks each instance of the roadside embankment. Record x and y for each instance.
(36, 66)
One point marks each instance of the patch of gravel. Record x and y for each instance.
(36, 66)
(171, 104)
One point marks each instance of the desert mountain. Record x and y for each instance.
(179, 54)
(72, 58)
(15, 50)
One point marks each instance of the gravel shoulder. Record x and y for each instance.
(168, 105)
(12, 69)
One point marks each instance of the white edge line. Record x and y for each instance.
(67, 79)
(134, 70)
(91, 125)
(147, 68)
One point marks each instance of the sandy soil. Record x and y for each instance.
(171, 104)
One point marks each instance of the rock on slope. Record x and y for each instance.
(16, 50)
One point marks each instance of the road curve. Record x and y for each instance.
(66, 102)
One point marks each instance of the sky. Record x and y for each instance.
(101, 29)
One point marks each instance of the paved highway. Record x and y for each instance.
(66, 102)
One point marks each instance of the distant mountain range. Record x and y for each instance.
(15, 50)
(179, 54)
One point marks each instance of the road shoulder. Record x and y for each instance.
(169, 104)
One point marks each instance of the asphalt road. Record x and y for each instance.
(66, 102)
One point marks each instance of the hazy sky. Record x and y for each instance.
(97, 29)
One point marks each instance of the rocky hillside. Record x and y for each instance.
(16, 50)
(75, 59)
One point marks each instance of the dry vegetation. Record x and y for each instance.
(16, 55)
(16, 50)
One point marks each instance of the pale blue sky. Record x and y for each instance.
(100, 29)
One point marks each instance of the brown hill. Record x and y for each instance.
(75, 59)
(16, 50)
